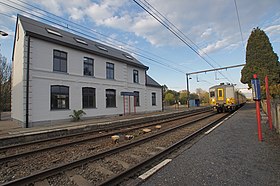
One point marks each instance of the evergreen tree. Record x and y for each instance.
(260, 59)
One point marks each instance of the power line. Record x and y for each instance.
(177, 29)
(86, 29)
(162, 22)
(89, 36)
(239, 23)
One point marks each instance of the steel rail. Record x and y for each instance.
(52, 171)
(157, 157)
(190, 112)
(10, 157)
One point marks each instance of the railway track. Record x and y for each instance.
(12, 166)
(113, 161)
(19, 150)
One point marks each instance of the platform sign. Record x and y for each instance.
(256, 89)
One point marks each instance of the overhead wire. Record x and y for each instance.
(183, 34)
(132, 49)
(162, 22)
(238, 19)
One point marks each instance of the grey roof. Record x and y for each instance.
(151, 82)
(221, 86)
(38, 29)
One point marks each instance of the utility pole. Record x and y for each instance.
(188, 91)
(2, 33)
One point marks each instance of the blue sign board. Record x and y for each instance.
(256, 89)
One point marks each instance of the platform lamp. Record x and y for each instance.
(2, 33)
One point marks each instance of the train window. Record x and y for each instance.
(220, 93)
(212, 94)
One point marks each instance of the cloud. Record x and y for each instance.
(207, 33)
(273, 30)
(215, 46)
(207, 27)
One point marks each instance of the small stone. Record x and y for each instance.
(146, 130)
(158, 126)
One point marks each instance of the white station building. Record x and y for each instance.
(56, 72)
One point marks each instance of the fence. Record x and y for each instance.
(275, 112)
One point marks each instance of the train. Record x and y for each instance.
(225, 98)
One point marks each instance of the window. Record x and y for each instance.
(135, 76)
(109, 70)
(153, 98)
(137, 99)
(59, 97)
(88, 66)
(110, 98)
(102, 48)
(212, 94)
(220, 94)
(89, 97)
(81, 41)
(59, 61)
(50, 31)
(128, 56)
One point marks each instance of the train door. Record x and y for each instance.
(220, 94)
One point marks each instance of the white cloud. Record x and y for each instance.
(274, 29)
(207, 33)
(207, 23)
(215, 46)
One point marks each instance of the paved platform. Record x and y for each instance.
(229, 155)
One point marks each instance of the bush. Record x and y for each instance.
(77, 114)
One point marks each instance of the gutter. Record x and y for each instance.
(27, 84)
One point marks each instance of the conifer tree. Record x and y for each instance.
(260, 59)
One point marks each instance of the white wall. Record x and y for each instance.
(42, 77)
(18, 100)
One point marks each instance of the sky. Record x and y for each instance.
(211, 32)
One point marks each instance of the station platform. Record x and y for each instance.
(229, 155)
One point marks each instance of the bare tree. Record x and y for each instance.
(5, 83)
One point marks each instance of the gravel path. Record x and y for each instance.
(230, 155)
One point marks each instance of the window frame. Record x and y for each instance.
(110, 70)
(86, 94)
(212, 94)
(60, 59)
(135, 76)
(87, 63)
(56, 96)
(154, 100)
(110, 96)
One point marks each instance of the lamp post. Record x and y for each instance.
(188, 90)
(2, 33)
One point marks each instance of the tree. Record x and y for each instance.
(5, 84)
(193, 96)
(260, 59)
(169, 98)
(203, 95)
(183, 97)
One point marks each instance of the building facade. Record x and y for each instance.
(56, 72)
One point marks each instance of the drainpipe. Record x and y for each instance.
(27, 84)
(162, 99)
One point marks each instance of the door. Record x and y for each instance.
(220, 94)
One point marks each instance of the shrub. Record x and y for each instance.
(77, 114)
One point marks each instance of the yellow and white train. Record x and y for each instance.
(224, 98)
